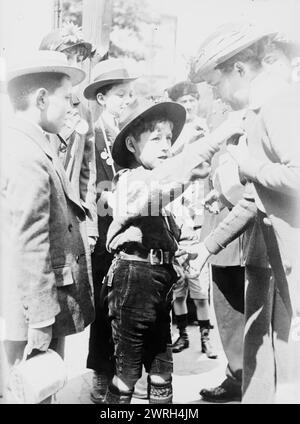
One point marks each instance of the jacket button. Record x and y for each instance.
(25, 307)
(70, 226)
(77, 258)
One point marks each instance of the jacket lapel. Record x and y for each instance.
(38, 137)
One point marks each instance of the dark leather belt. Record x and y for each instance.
(153, 256)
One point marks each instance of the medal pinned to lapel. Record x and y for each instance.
(105, 156)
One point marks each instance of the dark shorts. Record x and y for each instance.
(139, 307)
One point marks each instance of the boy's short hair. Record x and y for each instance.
(145, 125)
(181, 89)
(21, 87)
(106, 88)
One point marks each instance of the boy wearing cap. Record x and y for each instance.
(272, 301)
(144, 241)
(111, 88)
(186, 94)
(75, 144)
(46, 283)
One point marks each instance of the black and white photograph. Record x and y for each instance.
(150, 205)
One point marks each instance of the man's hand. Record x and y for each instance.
(38, 338)
(196, 133)
(232, 126)
(202, 256)
(92, 243)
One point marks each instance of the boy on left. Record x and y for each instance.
(46, 281)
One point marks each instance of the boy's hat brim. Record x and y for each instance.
(223, 44)
(46, 61)
(107, 72)
(90, 91)
(146, 110)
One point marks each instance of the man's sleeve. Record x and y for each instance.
(29, 195)
(235, 223)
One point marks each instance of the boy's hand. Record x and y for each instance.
(92, 243)
(201, 171)
(212, 202)
(38, 338)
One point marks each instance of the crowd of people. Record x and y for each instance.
(115, 212)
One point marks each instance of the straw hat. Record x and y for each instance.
(139, 111)
(45, 61)
(224, 43)
(107, 72)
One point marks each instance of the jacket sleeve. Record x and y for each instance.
(282, 127)
(88, 179)
(235, 223)
(28, 196)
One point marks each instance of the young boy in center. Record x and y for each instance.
(144, 241)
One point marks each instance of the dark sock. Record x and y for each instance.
(181, 321)
(204, 323)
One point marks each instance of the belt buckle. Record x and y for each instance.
(152, 256)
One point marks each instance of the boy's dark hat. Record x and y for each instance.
(64, 38)
(108, 72)
(145, 110)
(224, 43)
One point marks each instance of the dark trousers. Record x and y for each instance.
(139, 306)
(100, 355)
(228, 297)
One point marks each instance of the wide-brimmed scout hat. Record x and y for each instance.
(108, 72)
(224, 43)
(45, 61)
(64, 38)
(145, 110)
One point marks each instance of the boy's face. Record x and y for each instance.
(57, 105)
(190, 103)
(118, 98)
(153, 147)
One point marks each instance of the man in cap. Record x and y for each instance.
(46, 280)
(234, 61)
(75, 144)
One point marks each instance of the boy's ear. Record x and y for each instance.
(130, 143)
(100, 99)
(42, 98)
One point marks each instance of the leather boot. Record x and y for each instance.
(205, 344)
(100, 384)
(161, 393)
(116, 396)
(182, 342)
